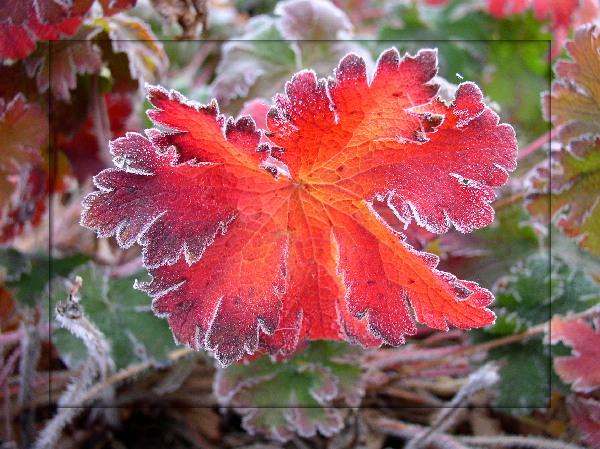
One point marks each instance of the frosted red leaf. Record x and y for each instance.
(585, 414)
(257, 244)
(22, 23)
(582, 369)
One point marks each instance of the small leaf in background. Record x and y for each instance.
(111, 7)
(317, 261)
(582, 369)
(146, 57)
(312, 20)
(297, 395)
(9, 313)
(191, 16)
(539, 286)
(119, 312)
(272, 49)
(260, 56)
(573, 103)
(58, 64)
(563, 15)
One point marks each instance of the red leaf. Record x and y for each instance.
(564, 15)
(22, 23)
(23, 183)
(82, 149)
(280, 240)
(583, 368)
(585, 413)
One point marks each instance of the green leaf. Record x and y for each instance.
(120, 312)
(261, 60)
(491, 250)
(271, 50)
(28, 274)
(535, 290)
(525, 377)
(296, 395)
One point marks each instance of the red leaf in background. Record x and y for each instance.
(23, 133)
(23, 22)
(564, 15)
(585, 413)
(261, 246)
(583, 368)
(59, 67)
(503, 8)
(82, 149)
(110, 7)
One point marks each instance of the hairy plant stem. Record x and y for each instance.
(99, 365)
(30, 355)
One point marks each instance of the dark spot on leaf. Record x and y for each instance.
(272, 170)
(185, 306)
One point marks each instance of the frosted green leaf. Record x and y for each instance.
(294, 396)
(535, 290)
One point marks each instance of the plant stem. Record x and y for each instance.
(537, 143)
(481, 379)
(405, 430)
(517, 441)
(128, 372)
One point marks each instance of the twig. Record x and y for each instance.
(517, 441)
(7, 416)
(405, 430)
(128, 372)
(9, 365)
(536, 330)
(481, 379)
(17, 335)
(426, 366)
(503, 203)
(385, 358)
(509, 339)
